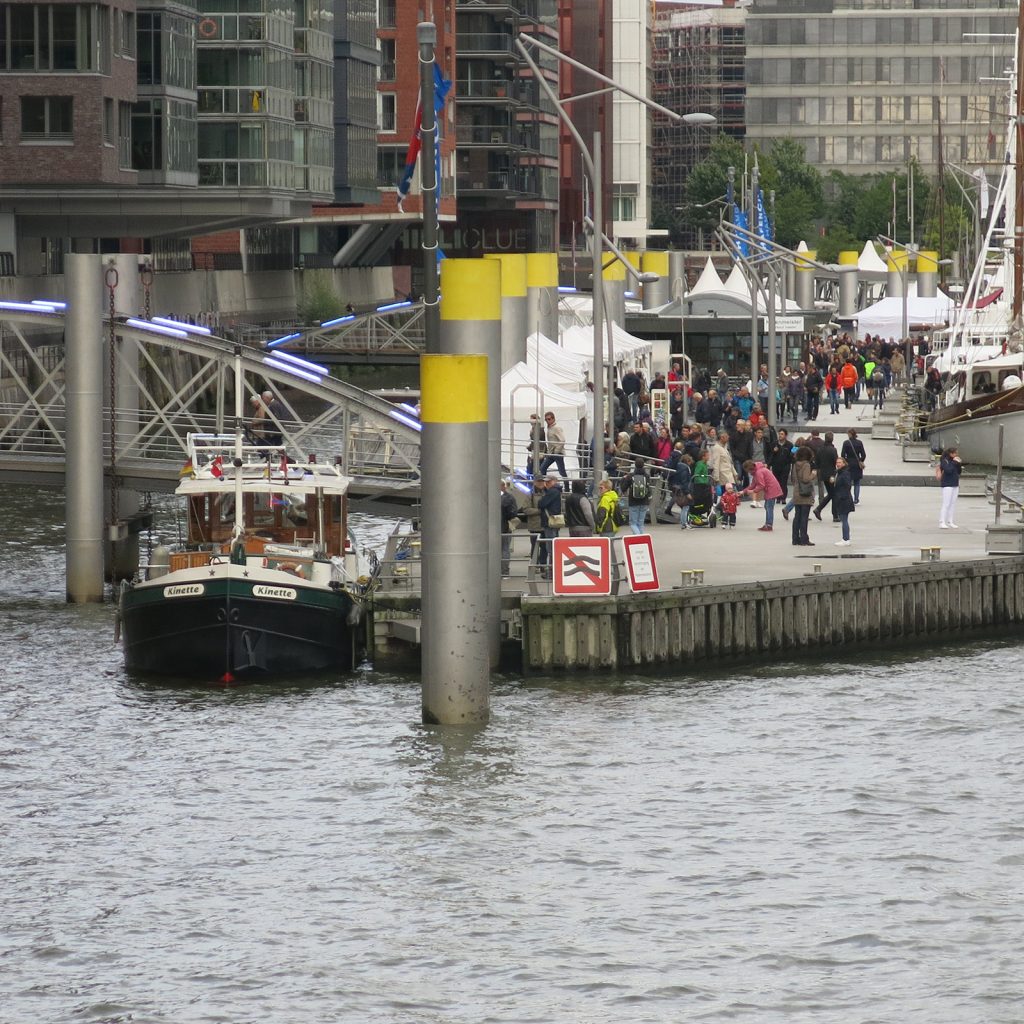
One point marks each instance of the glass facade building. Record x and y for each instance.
(864, 84)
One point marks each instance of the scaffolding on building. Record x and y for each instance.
(698, 65)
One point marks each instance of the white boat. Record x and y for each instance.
(264, 581)
(983, 400)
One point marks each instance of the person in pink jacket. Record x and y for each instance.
(762, 480)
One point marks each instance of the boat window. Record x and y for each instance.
(983, 383)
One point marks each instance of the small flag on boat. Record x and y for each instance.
(216, 467)
(185, 470)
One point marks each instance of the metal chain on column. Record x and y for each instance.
(146, 274)
(111, 279)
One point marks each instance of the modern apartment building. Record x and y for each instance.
(158, 119)
(865, 84)
(697, 63)
(631, 157)
(507, 163)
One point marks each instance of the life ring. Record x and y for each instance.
(208, 28)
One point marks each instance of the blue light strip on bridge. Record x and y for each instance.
(278, 364)
(191, 328)
(347, 319)
(407, 420)
(146, 325)
(281, 341)
(303, 364)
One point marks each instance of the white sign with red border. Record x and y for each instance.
(583, 566)
(640, 564)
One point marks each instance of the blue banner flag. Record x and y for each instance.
(764, 225)
(441, 88)
(739, 218)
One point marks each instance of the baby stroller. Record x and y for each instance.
(701, 511)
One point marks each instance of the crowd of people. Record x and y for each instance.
(714, 451)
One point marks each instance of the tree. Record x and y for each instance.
(799, 193)
(706, 186)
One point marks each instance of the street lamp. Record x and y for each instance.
(603, 396)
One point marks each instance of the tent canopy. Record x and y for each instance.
(885, 317)
(566, 369)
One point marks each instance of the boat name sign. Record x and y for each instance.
(185, 590)
(281, 593)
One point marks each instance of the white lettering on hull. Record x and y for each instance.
(277, 593)
(185, 590)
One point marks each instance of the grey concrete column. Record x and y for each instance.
(123, 555)
(542, 294)
(896, 265)
(927, 274)
(513, 308)
(460, 398)
(615, 300)
(804, 280)
(83, 369)
(848, 282)
(656, 293)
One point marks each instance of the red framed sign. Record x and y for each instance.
(583, 566)
(640, 564)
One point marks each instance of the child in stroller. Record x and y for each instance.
(701, 507)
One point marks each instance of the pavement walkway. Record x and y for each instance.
(897, 516)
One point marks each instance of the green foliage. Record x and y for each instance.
(318, 301)
(799, 193)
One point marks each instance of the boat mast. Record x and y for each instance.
(1018, 184)
(239, 425)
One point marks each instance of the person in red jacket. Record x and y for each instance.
(763, 481)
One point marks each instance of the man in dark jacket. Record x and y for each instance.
(780, 460)
(825, 460)
(642, 441)
(509, 510)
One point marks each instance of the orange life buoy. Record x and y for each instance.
(207, 28)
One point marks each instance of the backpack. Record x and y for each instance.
(620, 515)
(878, 377)
(640, 487)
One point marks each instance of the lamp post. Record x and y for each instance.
(603, 396)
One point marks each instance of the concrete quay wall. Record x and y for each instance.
(698, 624)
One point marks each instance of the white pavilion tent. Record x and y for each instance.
(566, 369)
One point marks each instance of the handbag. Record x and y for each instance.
(681, 498)
(556, 522)
(805, 489)
(514, 523)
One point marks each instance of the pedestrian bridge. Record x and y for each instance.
(163, 380)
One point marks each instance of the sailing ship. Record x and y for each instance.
(981, 411)
(265, 580)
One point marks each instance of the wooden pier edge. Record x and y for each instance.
(690, 625)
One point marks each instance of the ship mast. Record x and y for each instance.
(1018, 183)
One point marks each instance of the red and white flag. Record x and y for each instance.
(216, 467)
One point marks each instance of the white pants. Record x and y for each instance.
(948, 504)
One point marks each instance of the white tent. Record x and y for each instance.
(869, 258)
(709, 281)
(577, 308)
(525, 390)
(629, 351)
(885, 317)
(566, 369)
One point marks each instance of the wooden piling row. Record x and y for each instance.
(698, 624)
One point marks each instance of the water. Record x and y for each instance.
(832, 843)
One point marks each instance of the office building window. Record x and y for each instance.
(46, 118)
(390, 166)
(387, 60)
(108, 121)
(386, 111)
(53, 37)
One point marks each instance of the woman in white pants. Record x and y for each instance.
(950, 468)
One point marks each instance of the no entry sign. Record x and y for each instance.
(583, 566)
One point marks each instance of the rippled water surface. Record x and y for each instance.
(838, 842)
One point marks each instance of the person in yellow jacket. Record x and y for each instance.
(608, 502)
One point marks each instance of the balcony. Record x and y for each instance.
(484, 43)
(499, 89)
(485, 134)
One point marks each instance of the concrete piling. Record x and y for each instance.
(83, 369)
(542, 294)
